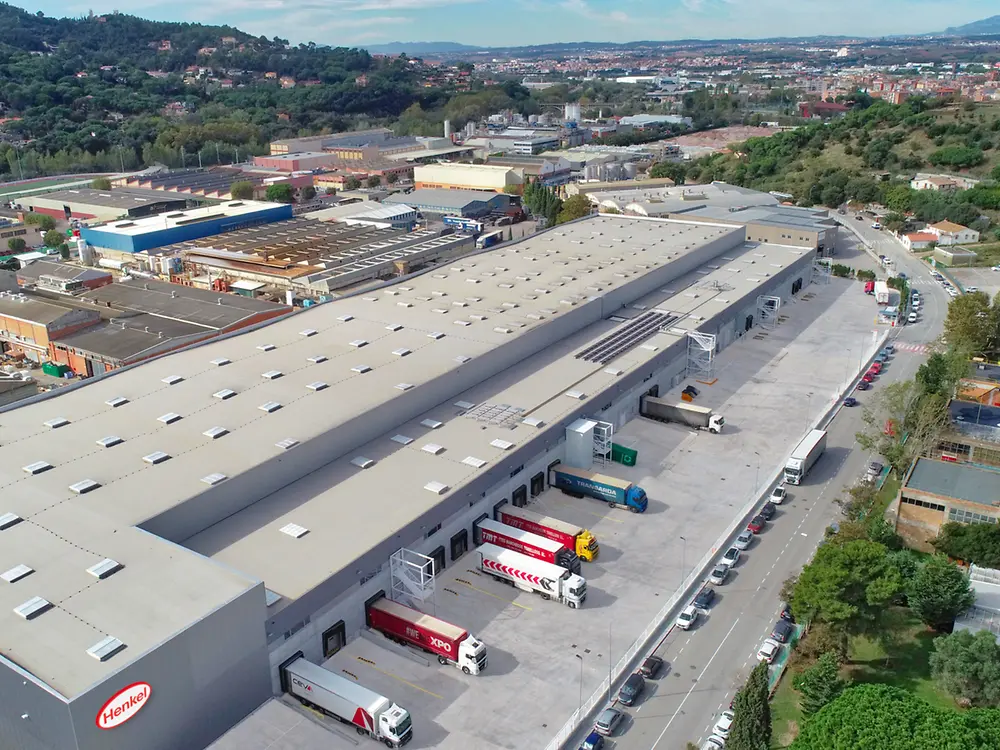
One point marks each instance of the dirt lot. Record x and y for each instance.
(720, 138)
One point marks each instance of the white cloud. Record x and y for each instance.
(582, 8)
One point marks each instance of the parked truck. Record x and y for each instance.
(615, 492)
(449, 643)
(528, 574)
(571, 536)
(527, 543)
(349, 702)
(700, 417)
(804, 456)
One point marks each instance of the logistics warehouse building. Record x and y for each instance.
(152, 521)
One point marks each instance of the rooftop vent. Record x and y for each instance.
(613, 371)
(463, 323)
(173, 379)
(575, 394)
(32, 608)
(403, 386)
(433, 449)
(37, 467)
(105, 648)
(533, 422)
(316, 359)
(362, 463)
(105, 568)
(286, 444)
(394, 327)
(9, 519)
(503, 329)
(56, 423)
(370, 299)
(438, 488)
(462, 359)
(215, 432)
(459, 303)
(270, 406)
(358, 343)
(361, 368)
(404, 304)
(156, 457)
(169, 418)
(294, 530)
(477, 463)
(271, 374)
(84, 486)
(116, 402)
(439, 310)
(431, 424)
(435, 335)
(402, 439)
(266, 347)
(504, 445)
(318, 385)
(401, 352)
(17, 573)
(466, 405)
(224, 394)
(346, 318)
(221, 362)
(214, 479)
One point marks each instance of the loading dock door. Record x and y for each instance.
(538, 484)
(496, 510)
(519, 498)
(459, 544)
(371, 600)
(334, 639)
(748, 324)
(477, 538)
(727, 332)
(438, 557)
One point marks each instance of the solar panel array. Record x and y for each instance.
(628, 336)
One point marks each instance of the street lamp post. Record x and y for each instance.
(757, 481)
(684, 544)
(610, 662)
(580, 705)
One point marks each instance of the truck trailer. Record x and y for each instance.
(349, 702)
(527, 543)
(804, 456)
(573, 537)
(700, 417)
(449, 643)
(528, 574)
(615, 492)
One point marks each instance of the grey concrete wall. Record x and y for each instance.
(48, 725)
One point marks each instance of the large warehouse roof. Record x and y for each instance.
(85, 467)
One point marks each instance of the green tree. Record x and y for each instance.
(16, 244)
(280, 193)
(751, 729)
(308, 193)
(101, 183)
(64, 251)
(971, 324)
(373, 181)
(849, 584)
(977, 543)
(916, 417)
(995, 173)
(392, 178)
(43, 221)
(967, 666)
(939, 593)
(942, 372)
(819, 684)
(513, 189)
(956, 156)
(352, 183)
(331, 191)
(675, 171)
(53, 238)
(575, 207)
(241, 190)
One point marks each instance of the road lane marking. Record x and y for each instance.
(396, 677)
(697, 680)
(490, 593)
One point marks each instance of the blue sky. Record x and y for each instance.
(511, 22)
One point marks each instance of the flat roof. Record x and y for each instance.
(972, 412)
(428, 153)
(122, 339)
(314, 365)
(31, 309)
(133, 227)
(955, 480)
(440, 197)
(123, 198)
(67, 271)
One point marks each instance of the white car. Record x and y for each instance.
(687, 617)
(778, 494)
(915, 304)
(723, 724)
(731, 556)
(971, 289)
(876, 225)
(768, 650)
(952, 291)
(996, 267)
(714, 742)
(912, 318)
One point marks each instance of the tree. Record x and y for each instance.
(101, 183)
(967, 666)
(308, 193)
(43, 221)
(241, 190)
(848, 584)
(16, 244)
(64, 251)
(513, 189)
(751, 729)
(917, 417)
(352, 183)
(392, 178)
(975, 542)
(373, 181)
(53, 238)
(819, 684)
(331, 191)
(971, 324)
(939, 593)
(669, 169)
(574, 207)
(280, 193)
(942, 372)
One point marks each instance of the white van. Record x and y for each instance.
(912, 318)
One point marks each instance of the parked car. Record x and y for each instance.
(744, 540)
(786, 612)
(608, 721)
(594, 741)
(757, 524)
(719, 575)
(705, 598)
(874, 471)
(868, 377)
(768, 650)
(731, 557)
(911, 318)
(971, 289)
(778, 494)
(996, 267)
(651, 667)
(687, 618)
(782, 631)
(864, 385)
(768, 510)
(890, 347)
(876, 225)
(713, 743)
(632, 689)
(876, 368)
(850, 401)
(723, 725)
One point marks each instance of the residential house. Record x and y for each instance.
(915, 241)
(950, 233)
(287, 82)
(945, 184)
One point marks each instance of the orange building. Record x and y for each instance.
(28, 325)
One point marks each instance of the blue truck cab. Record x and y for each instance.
(615, 492)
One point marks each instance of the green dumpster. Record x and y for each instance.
(622, 455)
(54, 369)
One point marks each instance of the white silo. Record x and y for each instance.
(85, 251)
(447, 128)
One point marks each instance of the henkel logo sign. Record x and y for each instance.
(443, 645)
(123, 705)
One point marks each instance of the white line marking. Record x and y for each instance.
(735, 622)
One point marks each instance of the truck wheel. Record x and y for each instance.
(442, 660)
(546, 597)
(466, 670)
(361, 731)
(389, 743)
(634, 510)
(573, 605)
(613, 505)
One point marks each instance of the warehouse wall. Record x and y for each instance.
(47, 723)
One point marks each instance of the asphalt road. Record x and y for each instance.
(709, 662)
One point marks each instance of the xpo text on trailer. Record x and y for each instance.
(532, 545)
(804, 456)
(450, 643)
(528, 574)
(573, 537)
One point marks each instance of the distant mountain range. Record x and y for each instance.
(420, 48)
(989, 25)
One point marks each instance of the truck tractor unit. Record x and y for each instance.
(528, 574)
(699, 417)
(532, 545)
(572, 537)
(449, 643)
(618, 493)
(805, 455)
(348, 702)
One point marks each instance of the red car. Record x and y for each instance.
(876, 367)
(869, 376)
(757, 524)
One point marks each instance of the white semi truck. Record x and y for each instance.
(700, 417)
(804, 456)
(529, 574)
(349, 702)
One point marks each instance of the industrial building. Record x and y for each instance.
(214, 183)
(174, 532)
(127, 237)
(478, 177)
(103, 205)
(471, 204)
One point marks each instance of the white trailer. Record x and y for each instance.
(804, 456)
(692, 415)
(528, 574)
(349, 702)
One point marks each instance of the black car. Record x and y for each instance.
(786, 612)
(705, 598)
(651, 667)
(632, 689)
(768, 510)
(782, 631)
(864, 386)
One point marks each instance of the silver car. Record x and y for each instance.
(719, 575)
(743, 540)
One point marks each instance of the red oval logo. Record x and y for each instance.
(123, 705)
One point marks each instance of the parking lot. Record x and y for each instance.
(545, 659)
(984, 279)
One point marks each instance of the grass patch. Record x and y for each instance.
(886, 494)
(988, 253)
(903, 663)
(786, 716)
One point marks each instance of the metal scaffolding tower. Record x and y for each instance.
(767, 311)
(822, 270)
(701, 355)
(411, 577)
(603, 434)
